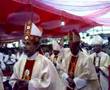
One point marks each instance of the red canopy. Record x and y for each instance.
(13, 15)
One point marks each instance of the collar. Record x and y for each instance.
(75, 55)
(33, 56)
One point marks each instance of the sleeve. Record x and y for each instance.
(89, 72)
(16, 70)
(15, 74)
(106, 63)
(48, 78)
(64, 76)
(44, 79)
(63, 73)
(80, 83)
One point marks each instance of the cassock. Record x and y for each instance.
(84, 74)
(102, 61)
(38, 71)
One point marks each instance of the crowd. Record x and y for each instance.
(34, 67)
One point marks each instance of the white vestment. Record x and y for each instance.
(85, 77)
(104, 63)
(19, 55)
(56, 61)
(44, 75)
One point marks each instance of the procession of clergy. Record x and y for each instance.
(70, 68)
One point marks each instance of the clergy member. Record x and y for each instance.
(34, 71)
(101, 61)
(56, 57)
(78, 72)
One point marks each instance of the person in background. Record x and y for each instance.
(56, 57)
(2, 64)
(47, 54)
(19, 53)
(12, 58)
(1, 80)
(101, 61)
(106, 48)
(78, 72)
(34, 71)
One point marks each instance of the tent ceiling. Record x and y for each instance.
(13, 15)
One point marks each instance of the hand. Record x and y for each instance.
(21, 85)
(71, 82)
(97, 69)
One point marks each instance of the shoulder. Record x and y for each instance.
(43, 58)
(82, 54)
(66, 50)
(85, 58)
(92, 55)
(104, 54)
(46, 62)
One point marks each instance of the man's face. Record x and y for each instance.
(31, 45)
(74, 47)
(97, 48)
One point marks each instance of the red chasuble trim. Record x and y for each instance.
(71, 70)
(72, 66)
(27, 72)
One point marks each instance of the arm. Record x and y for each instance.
(106, 63)
(86, 73)
(15, 75)
(38, 80)
(43, 81)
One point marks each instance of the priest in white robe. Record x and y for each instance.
(57, 56)
(78, 72)
(101, 60)
(34, 71)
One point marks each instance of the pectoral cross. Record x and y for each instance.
(26, 75)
